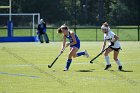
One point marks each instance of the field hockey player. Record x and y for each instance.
(114, 44)
(74, 44)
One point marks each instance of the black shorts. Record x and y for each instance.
(115, 49)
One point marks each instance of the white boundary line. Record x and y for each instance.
(24, 65)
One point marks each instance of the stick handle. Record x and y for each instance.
(95, 57)
(98, 55)
(56, 58)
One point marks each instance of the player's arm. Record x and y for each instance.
(114, 40)
(104, 44)
(64, 42)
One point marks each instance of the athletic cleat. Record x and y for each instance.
(120, 68)
(107, 67)
(86, 53)
(65, 69)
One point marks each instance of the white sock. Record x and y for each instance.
(107, 60)
(118, 62)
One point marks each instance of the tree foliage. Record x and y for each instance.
(88, 12)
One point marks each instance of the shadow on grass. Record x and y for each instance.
(91, 70)
(122, 70)
(126, 70)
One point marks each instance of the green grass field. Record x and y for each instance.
(23, 69)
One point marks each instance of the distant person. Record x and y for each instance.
(114, 46)
(74, 44)
(41, 32)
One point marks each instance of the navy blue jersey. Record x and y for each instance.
(42, 28)
(71, 40)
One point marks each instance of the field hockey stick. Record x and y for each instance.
(49, 66)
(91, 61)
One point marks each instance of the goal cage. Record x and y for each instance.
(21, 27)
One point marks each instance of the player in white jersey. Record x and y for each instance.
(114, 45)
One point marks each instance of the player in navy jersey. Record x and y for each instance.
(41, 32)
(74, 44)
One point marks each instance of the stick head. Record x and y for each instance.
(49, 66)
(91, 62)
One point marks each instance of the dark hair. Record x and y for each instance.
(62, 27)
(59, 30)
(105, 24)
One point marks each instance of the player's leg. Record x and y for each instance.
(108, 65)
(72, 53)
(117, 60)
(46, 38)
(82, 53)
(40, 38)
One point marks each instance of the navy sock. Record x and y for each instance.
(68, 63)
(80, 53)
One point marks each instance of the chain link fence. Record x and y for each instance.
(125, 33)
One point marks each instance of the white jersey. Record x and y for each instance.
(110, 38)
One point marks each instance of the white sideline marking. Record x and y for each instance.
(5, 73)
(24, 65)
